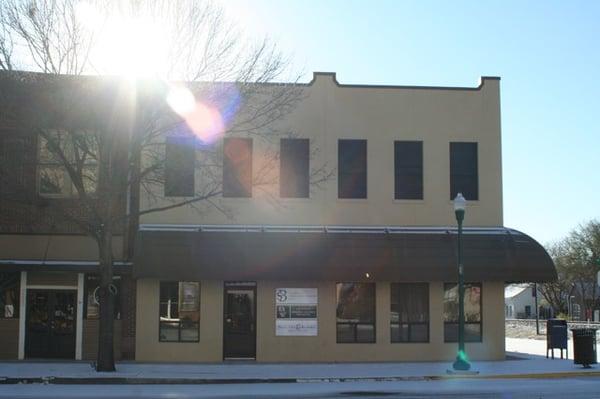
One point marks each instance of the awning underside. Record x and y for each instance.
(412, 255)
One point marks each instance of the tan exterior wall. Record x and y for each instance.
(52, 278)
(322, 348)
(380, 115)
(210, 347)
(53, 247)
(9, 339)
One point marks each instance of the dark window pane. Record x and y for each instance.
(419, 333)
(294, 168)
(180, 158)
(179, 311)
(365, 333)
(355, 302)
(189, 331)
(410, 309)
(472, 312)
(352, 168)
(408, 170)
(237, 167)
(345, 333)
(169, 331)
(10, 284)
(355, 312)
(463, 170)
(473, 332)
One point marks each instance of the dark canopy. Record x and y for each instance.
(338, 254)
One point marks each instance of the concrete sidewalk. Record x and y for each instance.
(525, 359)
(518, 365)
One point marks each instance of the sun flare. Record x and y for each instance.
(125, 45)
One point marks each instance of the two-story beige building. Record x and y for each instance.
(342, 245)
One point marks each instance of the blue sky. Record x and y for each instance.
(546, 52)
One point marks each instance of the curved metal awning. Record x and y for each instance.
(339, 253)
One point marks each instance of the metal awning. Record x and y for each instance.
(337, 253)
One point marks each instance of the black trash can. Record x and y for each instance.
(584, 346)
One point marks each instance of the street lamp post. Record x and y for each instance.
(462, 361)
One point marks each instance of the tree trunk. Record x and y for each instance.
(106, 358)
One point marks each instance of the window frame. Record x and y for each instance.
(343, 176)
(409, 323)
(230, 192)
(355, 325)
(70, 190)
(458, 174)
(480, 322)
(180, 321)
(301, 189)
(179, 144)
(397, 195)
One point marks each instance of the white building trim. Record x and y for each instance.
(22, 314)
(79, 322)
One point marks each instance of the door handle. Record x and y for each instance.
(228, 320)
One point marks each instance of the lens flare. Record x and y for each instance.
(181, 100)
(209, 118)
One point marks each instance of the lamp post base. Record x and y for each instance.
(461, 363)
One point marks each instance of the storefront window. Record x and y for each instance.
(409, 318)
(472, 312)
(92, 299)
(9, 295)
(355, 312)
(179, 318)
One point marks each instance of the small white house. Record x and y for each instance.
(519, 302)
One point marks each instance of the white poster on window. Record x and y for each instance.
(296, 311)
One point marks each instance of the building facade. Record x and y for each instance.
(360, 266)
(48, 267)
(328, 235)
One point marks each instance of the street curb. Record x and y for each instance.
(220, 381)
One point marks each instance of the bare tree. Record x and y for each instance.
(577, 260)
(113, 158)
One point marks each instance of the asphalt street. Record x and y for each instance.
(571, 388)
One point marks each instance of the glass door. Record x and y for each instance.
(50, 324)
(239, 324)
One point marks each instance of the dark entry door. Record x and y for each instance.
(50, 324)
(239, 324)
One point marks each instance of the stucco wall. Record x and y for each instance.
(322, 348)
(54, 247)
(380, 115)
(9, 339)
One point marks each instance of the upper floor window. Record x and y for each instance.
(179, 319)
(352, 169)
(180, 159)
(56, 149)
(408, 170)
(237, 167)
(463, 171)
(409, 319)
(472, 312)
(355, 312)
(294, 168)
